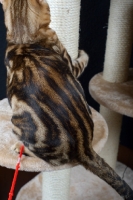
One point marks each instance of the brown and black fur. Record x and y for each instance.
(50, 114)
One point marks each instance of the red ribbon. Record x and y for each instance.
(15, 174)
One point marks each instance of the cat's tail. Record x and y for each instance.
(100, 168)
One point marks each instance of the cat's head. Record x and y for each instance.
(24, 19)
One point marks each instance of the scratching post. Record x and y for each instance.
(116, 67)
(64, 20)
(109, 89)
(55, 180)
(65, 15)
(119, 41)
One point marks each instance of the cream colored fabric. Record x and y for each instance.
(8, 158)
(115, 96)
(114, 120)
(83, 186)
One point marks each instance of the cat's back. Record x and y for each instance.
(33, 68)
(44, 93)
(40, 76)
(35, 72)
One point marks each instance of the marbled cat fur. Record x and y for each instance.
(50, 114)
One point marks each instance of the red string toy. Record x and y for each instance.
(15, 174)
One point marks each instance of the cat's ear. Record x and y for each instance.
(5, 3)
(41, 1)
(1, 1)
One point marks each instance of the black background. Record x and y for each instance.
(93, 33)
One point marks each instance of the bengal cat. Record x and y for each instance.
(50, 114)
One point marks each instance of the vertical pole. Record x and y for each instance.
(116, 67)
(65, 21)
(56, 185)
(65, 18)
(110, 150)
(119, 41)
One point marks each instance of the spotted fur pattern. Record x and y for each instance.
(50, 114)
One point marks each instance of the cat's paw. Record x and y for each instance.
(84, 57)
(17, 146)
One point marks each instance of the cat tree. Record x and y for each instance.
(113, 88)
(56, 180)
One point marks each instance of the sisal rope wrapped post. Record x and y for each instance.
(65, 15)
(113, 120)
(116, 67)
(56, 185)
(65, 21)
(119, 41)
